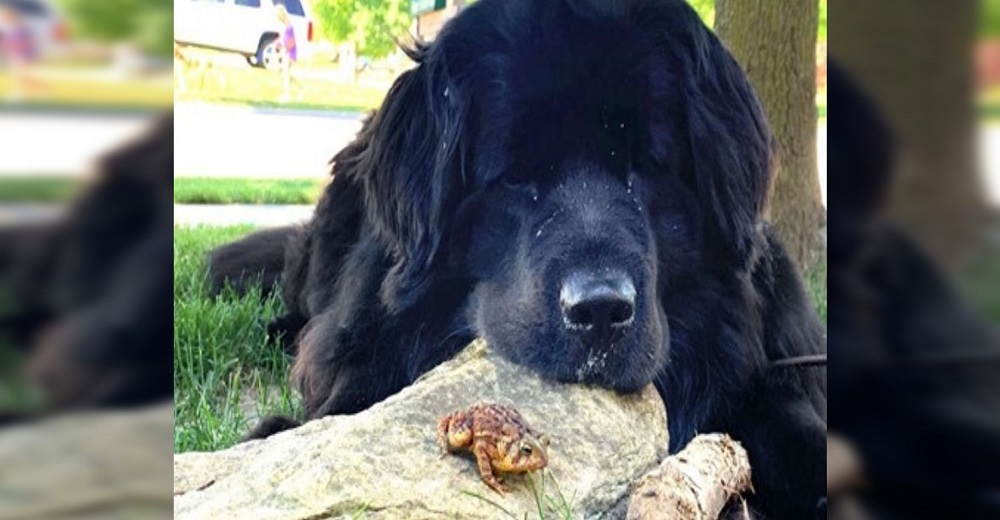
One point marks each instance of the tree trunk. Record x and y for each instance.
(915, 58)
(775, 42)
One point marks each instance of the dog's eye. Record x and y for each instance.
(522, 185)
(516, 183)
(526, 449)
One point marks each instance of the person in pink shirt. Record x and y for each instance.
(290, 52)
(17, 51)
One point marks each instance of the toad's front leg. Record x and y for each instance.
(486, 470)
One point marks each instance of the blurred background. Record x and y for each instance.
(914, 260)
(65, 53)
(86, 165)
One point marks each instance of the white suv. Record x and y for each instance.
(248, 27)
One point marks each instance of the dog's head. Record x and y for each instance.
(577, 162)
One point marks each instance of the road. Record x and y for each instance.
(59, 143)
(239, 141)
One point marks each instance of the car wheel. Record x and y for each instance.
(269, 55)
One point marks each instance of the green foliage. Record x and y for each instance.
(822, 20)
(989, 19)
(371, 25)
(149, 22)
(155, 29)
(706, 9)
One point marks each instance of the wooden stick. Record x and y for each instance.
(693, 484)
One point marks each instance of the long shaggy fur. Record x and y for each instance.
(538, 139)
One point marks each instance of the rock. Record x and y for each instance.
(88, 465)
(385, 461)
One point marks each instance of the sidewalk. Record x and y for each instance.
(184, 214)
(233, 214)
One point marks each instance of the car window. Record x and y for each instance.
(293, 6)
(27, 7)
(248, 3)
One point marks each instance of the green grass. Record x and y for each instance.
(989, 105)
(990, 111)
(549, 504)
(37, 188)
(187, 190)
(72, 92)
(196, 190)
(263, 88)
(815, 280)
(225, 370)
(977, 282)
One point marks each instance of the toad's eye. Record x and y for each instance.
(526, 449)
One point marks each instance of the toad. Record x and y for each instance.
(499, 438)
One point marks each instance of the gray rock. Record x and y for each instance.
(88, 466)
(385, 462)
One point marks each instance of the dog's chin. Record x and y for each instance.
(626, 367)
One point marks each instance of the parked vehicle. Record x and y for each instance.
(247, 27)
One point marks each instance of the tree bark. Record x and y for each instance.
(775, 42)
(915, 59)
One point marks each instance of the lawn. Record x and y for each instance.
(263, 88)
(225, 372)
(198, 190)
(187, 190)
(70, 90)
(37, 188)
(989, 105)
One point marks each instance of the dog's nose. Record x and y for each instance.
(602, 303)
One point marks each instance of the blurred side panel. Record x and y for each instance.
(86, 168)
(914, 260)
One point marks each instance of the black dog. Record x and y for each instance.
(91, 291)
(915, 367)
(582, 184)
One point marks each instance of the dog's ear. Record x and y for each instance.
(862, 149)
(730, 141)
(409, 168)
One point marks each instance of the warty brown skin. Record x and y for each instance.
(499, 438)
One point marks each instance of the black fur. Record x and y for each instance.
(914, 364)
(91, 289)
(258, 258)
(540, 138)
